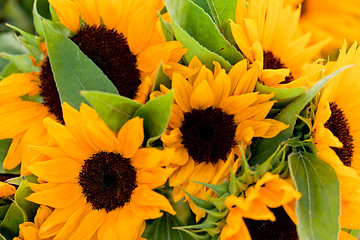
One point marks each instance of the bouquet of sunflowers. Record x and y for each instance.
(182, 119)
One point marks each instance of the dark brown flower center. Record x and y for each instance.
(272, 62)
(109, 50)
(339, 126)
(107, 180)
(208, 134)
(281, 229)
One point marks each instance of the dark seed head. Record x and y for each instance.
(208, 134)
(110, 52)
(107, 180)
(282, 229)
(339, 126)
(272, 62)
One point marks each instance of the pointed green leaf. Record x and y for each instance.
(195, 48)
(73, 70)
(199, 25)
(162, 229)
(113, 109)
(156, 115)
(221, 12)
(3, 210)
(317, 181)
(281, 95)
(266, 147)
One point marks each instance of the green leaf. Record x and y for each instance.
(221, 12)
(266, 147)
(3, 210)
(4, 147)
(113, 109)
(195, 48)
(281, 95)
(9, 69)
(156, 115)
(22, 62)
(162, 229)
(161, 78)
(318, 209)
(73, 70)
(37, 20)
(199, 25)
(29, 208)
(10, 225)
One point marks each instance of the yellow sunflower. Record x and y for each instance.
(99, 183)
(122, 37)
(30, 230)
(266, 31)
(214, 115)
(317, 17)
(6, 190)
(337, 131)
(250, 216)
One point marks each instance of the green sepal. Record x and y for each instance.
(113, 109)
(266, 147)
(18, 180)
(167, 29)
(164, 228)
(37, 20)
(317, 181)
(30, 42)
(4, 147)
(275, 159)
(199, 25)
(202, 204)
(22, 62)
(282, 96)
(161, 79)
(73, 70)
(219, 189)
(22, 192)
(156, 115)
(195, 48)
(353, 232)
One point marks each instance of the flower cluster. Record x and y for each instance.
(183, 119)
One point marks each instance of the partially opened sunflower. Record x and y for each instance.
(124, 40)
(99, 183)
(214, 116)
(266, 31)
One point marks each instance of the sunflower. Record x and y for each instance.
(317, 17)
(30, 230)
(266, 31)
(99, 183)
(250, 216)
(214, 116)
(122, 37)
(336, 131)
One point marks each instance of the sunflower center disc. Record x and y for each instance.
(109, 51)
(282, 229)
(339, 126)
(107, 180)
(272, 62)
(208, 134)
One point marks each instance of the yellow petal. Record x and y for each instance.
(182, 91)
(202, 97)
(6, 189)
(68, 13)
(147, 158)
(49, 170)
(89, 11)
(131, 136)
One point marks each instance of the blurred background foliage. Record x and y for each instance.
(17, 13)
